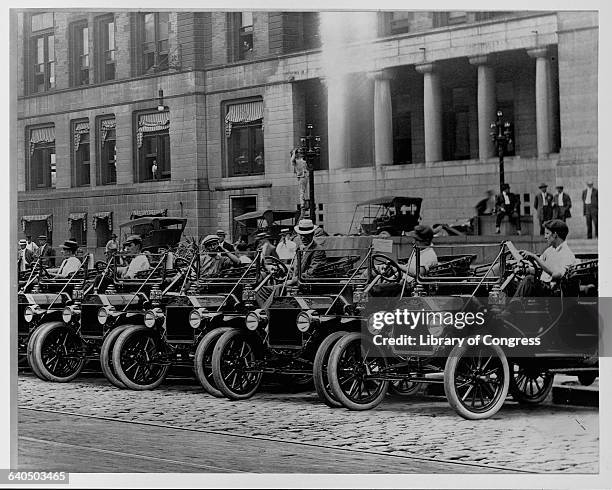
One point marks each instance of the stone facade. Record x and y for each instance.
(199, 86)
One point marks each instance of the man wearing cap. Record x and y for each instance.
(423, 236)
(31, 246)
(286, 247)
(224, 244)
(508, 204)
(139, 262)
(313, 255)
(71, 263)
(111, 247)
(214, 259)
(46, 252)
(561, 205)
(543, 204)
(590, 203)
(26, 257)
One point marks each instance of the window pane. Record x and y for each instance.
(42, 21)
(40, 51)
(85, 46)
(164, 20)
(111, 36)
(51, 47)
(149, 27)
(247, 19)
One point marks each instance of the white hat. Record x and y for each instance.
(210, 238)
(304, 227)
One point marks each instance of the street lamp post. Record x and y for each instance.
(311, 145)
(501, 135)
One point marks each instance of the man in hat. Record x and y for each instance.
(71, 263)
(111, 247)
(286, 247)
(561, 205)
(313, 255)
(26, 257)
(214, 259)
(423, 236)
(46, 252)
(508, 204)
(543, 204)
(139, 262)
(300, 169)
(31, 246)
(264, 245)
(590, 201)
(223, 243)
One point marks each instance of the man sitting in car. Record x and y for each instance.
(139, 262)
(313, 255)
(423, 236)
(70, 264)
(214, 259)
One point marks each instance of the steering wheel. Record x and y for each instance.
(386, 268)
(100, 265)
(277, 268)
(533, 263)
(43, 271)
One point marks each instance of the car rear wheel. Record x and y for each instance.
(58, 352)
(404, 387)
(106, 356)
(353, 374)
(30, 355)
(529, 383)
(476, 380)
(138, 358)
(234, 365)
(203, 360)
(319, 370)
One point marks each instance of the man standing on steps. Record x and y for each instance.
(590, 201)
(543, 204)
(561, 205)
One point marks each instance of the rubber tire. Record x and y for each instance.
(449, 383)
(30, 352)
(218, 351)
(208, 342)
(123, 338)
(332, 367)
(586, 378)
(521, 397)
(37, 346)
(398, 392)
(319, 369)
(106, 356)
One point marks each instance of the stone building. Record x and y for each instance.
(194, 113)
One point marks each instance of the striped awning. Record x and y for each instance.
(148, 123)
(106, 126)
(38, 217)
(79, 130)
(103, 215)
(148, 212)
(78, 216)
(41, 135)
(242, 113)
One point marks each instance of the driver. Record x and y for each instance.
(211, 263)
(139, 262)
(313, 255)
(554, 261)
(70, 264)
(423, 236)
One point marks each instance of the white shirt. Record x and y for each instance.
(244, 259)
(427, 258)
(587, 199)
(557, 259)
(138, 264)
(506, 198)
(286, 250)
(544, 203)
(23, 264)
(32, 247)
(68, 267)
(560, 199)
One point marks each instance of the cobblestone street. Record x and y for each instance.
(545, 438)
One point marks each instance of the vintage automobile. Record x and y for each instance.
(157, 232)
(271, 221)
(182, 331)
(477, 376)
(392, 215)
(40, 306)
(294, 334)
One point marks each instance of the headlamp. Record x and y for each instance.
(152, 316)
(255, 319)
(306, 319)
(69, 313)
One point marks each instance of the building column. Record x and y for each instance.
(337, 126)
(383, 119)
(432, 109)
(486, 105)
(543, 129)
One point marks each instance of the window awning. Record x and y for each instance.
(41, 135)
(148, 212)
(79, 130)
(78, 216)
(38, 217)
(103, 215)
(106, 126)
(148, 123)
(243, 113)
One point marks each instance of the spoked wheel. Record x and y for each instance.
(476, 380)
(404, 387)
(319, 370)
(106, 356)
(530, 383)
(386, 267)
(57, 352)
(30, 355)
(203, 360)
(138, 358)
(352, 373)
(234, 365)
(586, 378)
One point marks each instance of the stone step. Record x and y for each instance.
(582, 245)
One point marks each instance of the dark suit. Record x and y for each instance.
(544, 206)
(562, 212)
(590, 211)
(313, 256)
(512, 210)
(47, 253)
